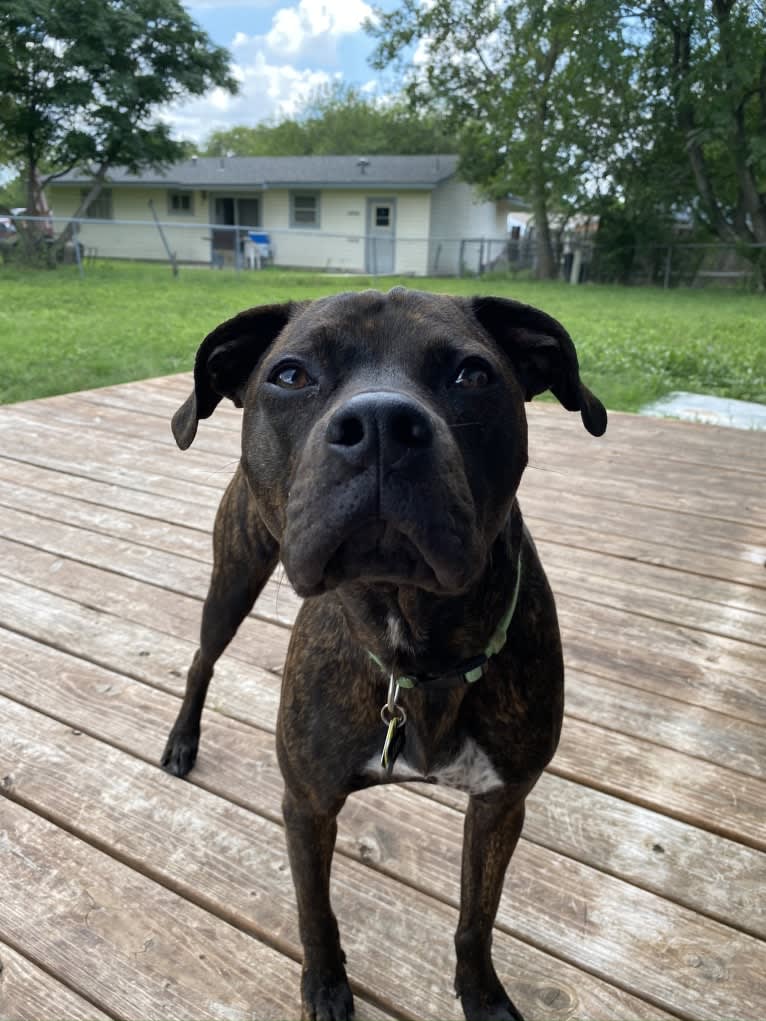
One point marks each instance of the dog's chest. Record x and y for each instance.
(470, 770)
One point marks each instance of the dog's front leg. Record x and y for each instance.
(326, 995)
(244, 555)
(492, 829)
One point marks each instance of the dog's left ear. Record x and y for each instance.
(225, 360)
(542, 353)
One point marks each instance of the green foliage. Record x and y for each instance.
(337, 121)
(700, 73)
(82, 81)
(123, 322)
(638, 111)
(524, 84)
(282, 138)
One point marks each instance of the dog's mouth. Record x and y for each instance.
(418, 531)
(378, 551)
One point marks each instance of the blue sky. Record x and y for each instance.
(281, 52)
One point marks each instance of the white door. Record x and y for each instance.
(381, 230)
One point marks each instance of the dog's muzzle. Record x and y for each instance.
(383, 497)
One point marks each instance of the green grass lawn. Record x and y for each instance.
(123, 321)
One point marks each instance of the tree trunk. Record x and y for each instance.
(34, 233)
(546, 260)
(90, 196)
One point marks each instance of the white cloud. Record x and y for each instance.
(276, 70)
(266, 91)
(312, 28)
(294, 29)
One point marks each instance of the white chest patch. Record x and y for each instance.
(470, 771)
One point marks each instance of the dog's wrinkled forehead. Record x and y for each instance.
(370, 324)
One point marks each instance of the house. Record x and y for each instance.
(381, 214)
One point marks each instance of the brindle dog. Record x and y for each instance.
(384, 437)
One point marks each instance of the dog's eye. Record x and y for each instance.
(473, 373)
(290, 377)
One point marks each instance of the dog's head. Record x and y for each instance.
(384, 435)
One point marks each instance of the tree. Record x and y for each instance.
(533, 89)
(281, 138)
(703, 77)
(341, 120)
(82, 81)
(337, 121)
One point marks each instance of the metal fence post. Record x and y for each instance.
(171, 255)
(78, 249)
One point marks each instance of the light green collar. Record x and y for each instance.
(471, 670)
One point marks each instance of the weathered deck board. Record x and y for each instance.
(651, 850)
(637, 890)
(27, 993)
(735, 743)
(618, 476)
(247, 692)
(683, 670)
(233, 862)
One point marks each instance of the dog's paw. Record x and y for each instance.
(494, 1006)
(326, 997)
(180, 752)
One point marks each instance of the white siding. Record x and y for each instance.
(428, 227)
(413, 226)
(339, 241)
(458, 215)
(191, 242)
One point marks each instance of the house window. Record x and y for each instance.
(382, 216)
(101, 207)
(304, 209)
(181, 202)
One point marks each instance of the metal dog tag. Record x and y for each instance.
(394, 717)
(392, 745)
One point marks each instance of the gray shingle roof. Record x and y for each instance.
(291, 171)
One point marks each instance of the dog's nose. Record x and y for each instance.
(378, 424)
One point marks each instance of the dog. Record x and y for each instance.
(384, 437)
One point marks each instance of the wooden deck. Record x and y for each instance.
(638, 888)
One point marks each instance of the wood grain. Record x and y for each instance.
(728, 741)
(645, 652)
(238, 762)
(134, 947)
(233, 862)
(637, 887)
(662, 779)
(29, 994)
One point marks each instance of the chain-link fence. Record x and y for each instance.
(241, 247)
(678, 264)
(219, 246)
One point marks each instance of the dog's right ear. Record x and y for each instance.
(225, 360)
